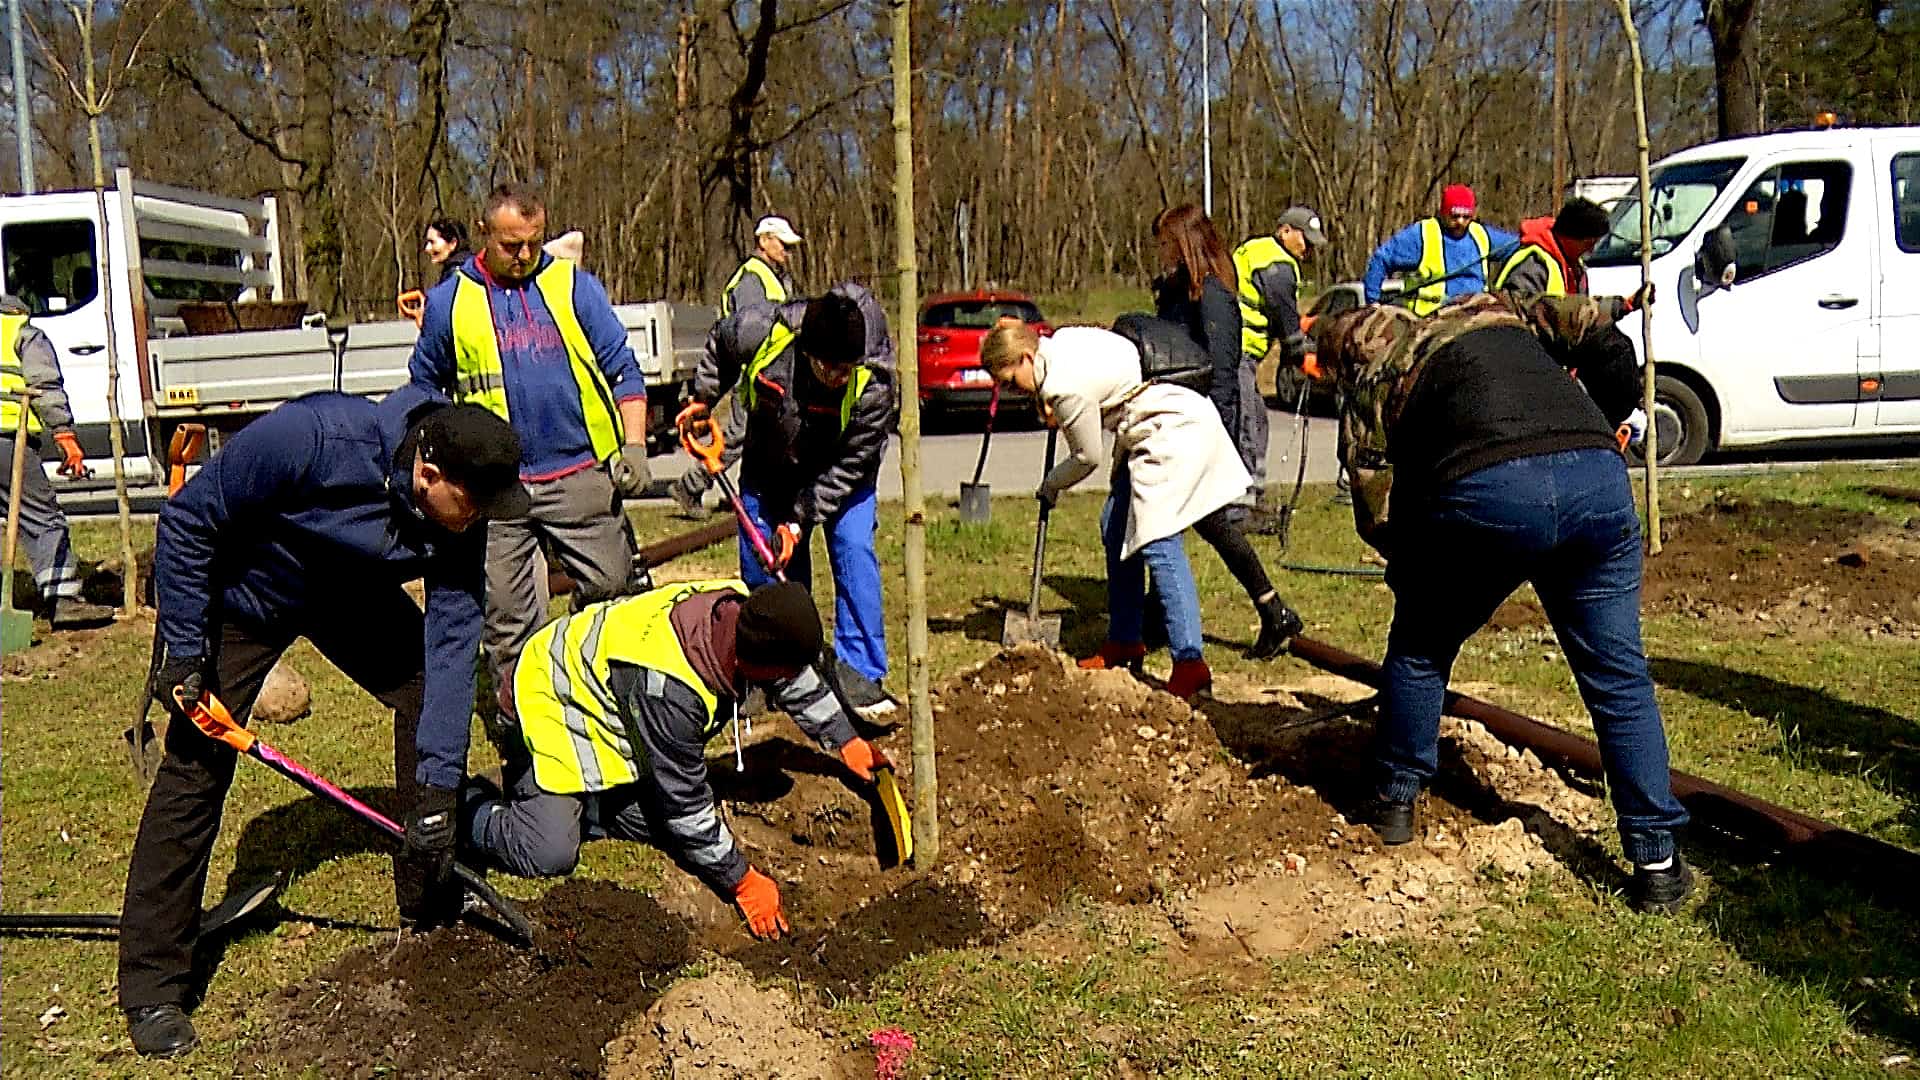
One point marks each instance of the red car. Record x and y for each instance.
(951, 326)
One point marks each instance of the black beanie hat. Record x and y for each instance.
(779, 627)
(1581, 219)
(833, 330)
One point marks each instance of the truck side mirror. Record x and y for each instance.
(1714, 263)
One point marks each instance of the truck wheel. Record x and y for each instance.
(1683, 425)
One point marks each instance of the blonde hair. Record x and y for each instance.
(1006, 343)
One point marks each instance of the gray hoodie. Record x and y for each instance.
(40, 366)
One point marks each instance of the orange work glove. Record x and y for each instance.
(687, 417)
(75, 464)
(786, 540)
(759, 900)
(863, 757)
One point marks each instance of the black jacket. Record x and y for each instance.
(1214, 322)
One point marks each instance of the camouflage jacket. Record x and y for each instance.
(1389, 347)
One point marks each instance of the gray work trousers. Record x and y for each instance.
(587, 535)
(733, 431)
(43, 527)
(533, 833)
(1251, 428)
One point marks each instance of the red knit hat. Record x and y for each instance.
(1457, 199)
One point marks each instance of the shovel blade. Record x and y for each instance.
(16, 629)
(1024, 629)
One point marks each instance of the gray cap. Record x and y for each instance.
(1307, 221)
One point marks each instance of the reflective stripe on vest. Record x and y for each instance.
(770, 281)
(1433, 265)
(569, 718)
(778, 339)
(13, 378)
(1556, 281)
(1249, 259)
(477, 373)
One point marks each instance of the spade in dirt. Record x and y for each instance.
(230, 913)
(1029, 627)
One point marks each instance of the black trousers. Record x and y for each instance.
(379, 644)
(1225, 531)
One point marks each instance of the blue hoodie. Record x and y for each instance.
(543, 401)
(305, 507)
(1401, 255)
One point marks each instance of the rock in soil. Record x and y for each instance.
(721, 1027)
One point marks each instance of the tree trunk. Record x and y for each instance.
(325, 247)
(1736, 65)
(726, 189)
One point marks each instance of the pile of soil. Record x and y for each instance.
(1226, 828)
(1801, 569)
(723, 1027)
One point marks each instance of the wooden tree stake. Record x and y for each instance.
(1652, 446)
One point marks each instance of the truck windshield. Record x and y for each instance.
(1681, 194)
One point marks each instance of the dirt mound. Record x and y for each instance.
(457, 1003)
(722, 1027)
(1803, 569)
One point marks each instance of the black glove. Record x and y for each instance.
(184, 673)
(1045, 498)
(430, 834)
(629, 470)
(1642, 297)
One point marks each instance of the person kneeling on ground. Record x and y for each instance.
(1174, 467)
(1478, 463)
(615, 707)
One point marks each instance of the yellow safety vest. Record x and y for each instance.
(13, 378)
(1248, 259)
(778, 339)
(477, 375)
(569, 719)
(1433, 265)
(1556, 281)
(770, 281)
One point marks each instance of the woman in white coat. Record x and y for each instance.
(1174, 466)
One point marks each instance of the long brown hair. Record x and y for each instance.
(1198, 244)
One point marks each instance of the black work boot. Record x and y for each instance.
(1661, 892)
(161, 1031)
(1392, 820)
(73, 613)
(1278, 624)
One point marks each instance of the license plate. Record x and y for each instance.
(976, 377)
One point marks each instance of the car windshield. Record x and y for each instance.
(977, 314)
(1681, 194)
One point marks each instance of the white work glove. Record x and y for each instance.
(1636, 425)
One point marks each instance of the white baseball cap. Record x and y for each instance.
(778, 228)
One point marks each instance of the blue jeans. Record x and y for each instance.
(1127, 579)
(859, 623)
(1565, 522)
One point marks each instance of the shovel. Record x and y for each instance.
(708, 454)
(16, 627)
(1029, 627)
(212, 718)
(212, 923)
(976, 499)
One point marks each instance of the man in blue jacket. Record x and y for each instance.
(306, 524)
(1442, 257)
(534, 340)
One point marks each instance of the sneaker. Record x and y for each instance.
(1661, 892)
(1114, 654)
(161, 1031)
(1393, 821)
(1189, 678)
(692, 505)
(75, 614)
(1278, 624)
(868, 700)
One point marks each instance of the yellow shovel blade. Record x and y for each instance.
(897, 815)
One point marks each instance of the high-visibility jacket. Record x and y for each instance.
(769, 283)
(1433, 265)
(1538, 242)
(1249, 259)
(569, 718)
(13, 378)
(478, 377)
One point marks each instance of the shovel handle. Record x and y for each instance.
(1040, 532)
(707, 449)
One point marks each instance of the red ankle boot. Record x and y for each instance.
(1190, 677)
(1114, 654)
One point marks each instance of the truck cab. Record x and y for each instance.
(1814, 331)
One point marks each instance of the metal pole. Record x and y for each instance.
(926, 791)
(1206, 112)
(22, 119)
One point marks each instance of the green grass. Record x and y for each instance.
(1774, 973)
(1096, 306)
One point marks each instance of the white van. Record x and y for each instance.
(1818, 335)
(184, 246)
